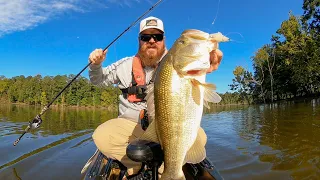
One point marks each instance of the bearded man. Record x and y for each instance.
(131, 74)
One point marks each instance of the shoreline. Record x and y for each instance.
(110, 108)
(115, 107)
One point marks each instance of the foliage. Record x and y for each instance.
(289, 66)
(40, 91)
(241, 83)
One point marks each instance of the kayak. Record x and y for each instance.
(101, 167)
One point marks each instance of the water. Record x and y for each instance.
(279, 141)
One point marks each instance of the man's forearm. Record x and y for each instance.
(102, 76)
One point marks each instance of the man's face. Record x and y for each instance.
(151, 46)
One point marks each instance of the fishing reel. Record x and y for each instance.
(36, 122)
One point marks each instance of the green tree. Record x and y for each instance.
(241, 83)
(44, 100)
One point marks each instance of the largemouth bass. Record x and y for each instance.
(176, 98)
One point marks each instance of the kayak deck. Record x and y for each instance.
(101, 167)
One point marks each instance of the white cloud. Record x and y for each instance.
(19, 15)
(128, 3)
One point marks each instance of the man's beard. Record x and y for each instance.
(148, 59)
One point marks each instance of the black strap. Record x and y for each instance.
(135, 89)
(145, 120)
(139, 91)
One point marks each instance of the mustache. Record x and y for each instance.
(151, 46)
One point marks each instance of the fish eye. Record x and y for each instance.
(181, 41)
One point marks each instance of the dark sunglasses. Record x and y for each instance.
(147, 37)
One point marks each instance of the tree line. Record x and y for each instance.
(40, 90)
(287, 67)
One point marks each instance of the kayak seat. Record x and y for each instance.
(151, 154)
(144, 151)
(148, 153)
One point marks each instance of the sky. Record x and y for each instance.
(56, 37)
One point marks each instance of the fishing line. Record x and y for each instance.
(232, 40)
(36, 122)
(216, 13)
(215, 18)
(115, 50)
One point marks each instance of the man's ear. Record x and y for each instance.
(164, 39)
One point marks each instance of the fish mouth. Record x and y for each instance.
(195, 72)
(196, 65)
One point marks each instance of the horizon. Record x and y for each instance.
(57, 38)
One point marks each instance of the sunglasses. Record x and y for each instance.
(147, 37)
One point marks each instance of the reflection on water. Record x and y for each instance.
(275, 141)
(36, 151)
(55, 120)
(59, 127)
(271, 139)
(293, 129)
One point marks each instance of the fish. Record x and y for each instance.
(176, 99)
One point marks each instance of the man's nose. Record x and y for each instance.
(152, 40)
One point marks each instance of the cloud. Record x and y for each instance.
(19, 15)
(127, 3)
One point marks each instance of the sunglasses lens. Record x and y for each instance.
(147, 37)
(158, 37)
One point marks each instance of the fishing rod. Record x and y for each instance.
(36, 122)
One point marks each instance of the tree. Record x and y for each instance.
(312, 13)
(258, 64)
(241, 83)
(37, 90)
(44, 100)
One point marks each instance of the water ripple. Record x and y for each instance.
(278, 140)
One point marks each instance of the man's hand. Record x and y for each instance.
(97, 56)
(215, 60)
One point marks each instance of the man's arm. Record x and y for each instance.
(101, 76)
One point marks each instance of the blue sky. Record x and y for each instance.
(56, 37)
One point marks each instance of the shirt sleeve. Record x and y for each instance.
(102, 77)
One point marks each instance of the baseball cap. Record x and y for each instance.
(151, 22)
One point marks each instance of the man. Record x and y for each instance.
(113, 136)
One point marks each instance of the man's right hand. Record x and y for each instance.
(97, 56)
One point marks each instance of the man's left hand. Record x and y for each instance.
(215, 60)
